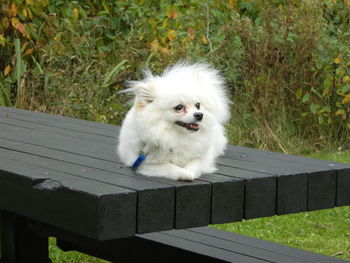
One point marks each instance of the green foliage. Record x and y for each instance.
(70, 49)
(286, 62)
(330, 98)
(5, 98)
(20, 69)
(291, 72)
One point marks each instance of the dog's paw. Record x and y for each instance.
(187, 176)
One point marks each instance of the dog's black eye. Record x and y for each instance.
(198, 106)
(179, 107)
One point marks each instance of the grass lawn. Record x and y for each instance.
(58, 256)
(325, 231)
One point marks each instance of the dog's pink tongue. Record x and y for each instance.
(194, 125)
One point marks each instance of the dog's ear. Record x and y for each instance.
(143, 91)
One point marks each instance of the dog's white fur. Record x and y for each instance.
(173, 151)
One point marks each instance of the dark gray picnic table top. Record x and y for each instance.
(64, 172)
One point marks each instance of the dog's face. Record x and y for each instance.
(185, 100)
(189, 116)
(176, 109)
(186, 115)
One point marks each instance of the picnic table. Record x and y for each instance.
(61, 177)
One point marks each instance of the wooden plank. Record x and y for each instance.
(155, 202)
(343, 187)
(84, 147)
(322, 190)
(197, 190)
(177, 246)
(227, 204)
(155, 197)
(156, 251)
(266, 166)
(51, 118)
(188, 195)
(198, 245)
(148, 250)
(298, 254)
(321, 176)
(268, 186)
(158, 248)
(70, 202)
(231, 247)
(221, 187)
(232, 149)
(105, 151)
(260, 191)
(292, 194)
(80, 133)
(287, 163)
(192, 207)
(285, 187)
(289, 188)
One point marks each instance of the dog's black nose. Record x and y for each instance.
(198, 116)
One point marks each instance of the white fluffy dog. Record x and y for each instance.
(175, 127)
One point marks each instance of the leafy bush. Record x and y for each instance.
(71, 49)
(291, 73)
(329, 98)
(286, 62)
(277, 63)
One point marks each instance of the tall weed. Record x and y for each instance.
(5, 98)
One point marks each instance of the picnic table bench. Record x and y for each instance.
(61, 177)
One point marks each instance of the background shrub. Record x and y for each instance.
(286, 62)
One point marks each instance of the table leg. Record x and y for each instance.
(19, 243)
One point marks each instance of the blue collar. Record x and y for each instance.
(139, 160)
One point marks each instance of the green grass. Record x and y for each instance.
(325, 232)
(335, 156)
(58, 256)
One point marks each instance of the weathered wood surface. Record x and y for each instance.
(65, 172)
(203, 244)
